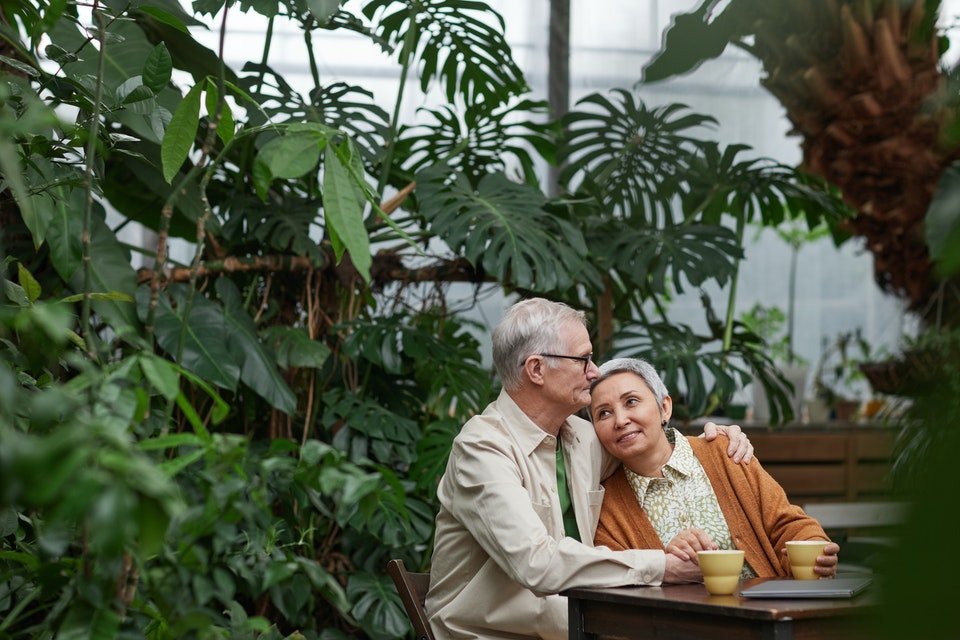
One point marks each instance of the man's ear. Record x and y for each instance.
(533, 369)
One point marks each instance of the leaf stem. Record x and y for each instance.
(90, 157)
(407, 54)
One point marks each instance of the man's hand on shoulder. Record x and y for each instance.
(739, 447)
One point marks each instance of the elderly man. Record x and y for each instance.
(521, 490)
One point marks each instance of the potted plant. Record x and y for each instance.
(839, 384)
(769, 323)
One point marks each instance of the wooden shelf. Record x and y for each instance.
(824, 463)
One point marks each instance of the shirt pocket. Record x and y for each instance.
(595, 501)
(545, 513)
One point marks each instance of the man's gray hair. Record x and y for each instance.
(529, 327)
(638, 366)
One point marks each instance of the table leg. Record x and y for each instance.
(575, 614)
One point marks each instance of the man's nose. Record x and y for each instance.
(593, 371)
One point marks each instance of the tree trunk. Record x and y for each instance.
(857, 86)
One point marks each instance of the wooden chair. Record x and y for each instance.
(412, 588)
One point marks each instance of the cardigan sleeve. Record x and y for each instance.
(623, 524)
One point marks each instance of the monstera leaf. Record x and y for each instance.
(501, 227)
(756, 190)
(697, 367)
(351, 109)
(631, 158)
(494, 134)
(452, 41)
(660, 259)
(697, 36)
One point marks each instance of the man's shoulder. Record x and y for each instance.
(486, 428)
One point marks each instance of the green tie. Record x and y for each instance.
(566, 504)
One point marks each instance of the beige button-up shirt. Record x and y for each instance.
(500, 550)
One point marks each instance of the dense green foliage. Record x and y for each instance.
(234, 447)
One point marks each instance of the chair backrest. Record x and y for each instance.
(412, 588)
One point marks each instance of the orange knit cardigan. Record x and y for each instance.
(760, 517)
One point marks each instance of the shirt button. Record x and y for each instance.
(647, 577)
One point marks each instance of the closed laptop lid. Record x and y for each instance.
(845, 586)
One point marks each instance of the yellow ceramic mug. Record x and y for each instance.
(721, 570)
(803, 557)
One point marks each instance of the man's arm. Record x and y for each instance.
(486, 494)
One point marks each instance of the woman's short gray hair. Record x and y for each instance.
(529, 327)
(638, 366)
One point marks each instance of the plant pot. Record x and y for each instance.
(847, 410)
(817, 411)
(735, 411)
(911, 371)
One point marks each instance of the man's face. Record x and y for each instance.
(567, 381)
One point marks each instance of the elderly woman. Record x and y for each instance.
(683, 494)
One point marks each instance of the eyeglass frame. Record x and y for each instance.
(587, 359)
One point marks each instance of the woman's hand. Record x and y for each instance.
(826, 566)
(686, 544)
(739, 447)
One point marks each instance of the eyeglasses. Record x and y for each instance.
(585, 359)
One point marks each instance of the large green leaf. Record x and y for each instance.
(157, 69)
(697, 36)
(495, 135)
(502, 228)
(64, 206)
(136, 187)
(181, 133)
(629, 157)
(368, 430)
(756, 190)
(204, 335)
(458, 42)
(289, 155)
(110, 270)
(352, 109)
(227, 126)
(377, 606)
(661, 259)
(124, 56)
(258, 365)
(342, 209)
(294, 348)
(942, 223)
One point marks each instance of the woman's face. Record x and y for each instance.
(627, 417)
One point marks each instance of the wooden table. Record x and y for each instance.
(682, 612)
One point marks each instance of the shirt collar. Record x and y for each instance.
(524, 430)
(682, 462)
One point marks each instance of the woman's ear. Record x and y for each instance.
(666, 410)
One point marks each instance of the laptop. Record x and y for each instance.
(844, 586)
